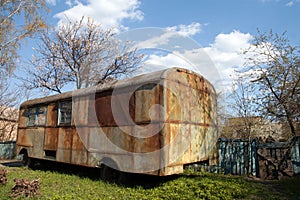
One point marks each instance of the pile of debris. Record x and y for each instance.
(3, 178)
(26, 188)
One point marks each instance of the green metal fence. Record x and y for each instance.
(249, 157)
(238, 156)
(7, 150)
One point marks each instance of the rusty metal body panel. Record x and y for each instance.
(152, 124)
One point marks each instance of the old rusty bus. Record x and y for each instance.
(153, 123)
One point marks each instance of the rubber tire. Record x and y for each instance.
(109, 174)
(27, 161)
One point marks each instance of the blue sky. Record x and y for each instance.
(214, 16)
(209, 32)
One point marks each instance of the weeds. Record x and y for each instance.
(56, 185)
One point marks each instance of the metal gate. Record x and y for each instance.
(264, 160)
(237, 156)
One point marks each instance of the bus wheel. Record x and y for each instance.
(109, 174)
(27, 161)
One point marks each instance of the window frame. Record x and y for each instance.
(67, 116)
(34, 114)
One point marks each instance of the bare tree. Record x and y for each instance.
(8, 112)
(81, 53)
(30, 20)
(8, 123)
(19, 19)
(243, 116)
(274, 70)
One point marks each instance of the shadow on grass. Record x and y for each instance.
(12, 163)
(127, 180)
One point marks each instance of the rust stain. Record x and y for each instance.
(185, 125)
(173, 99)
(64, 145)
(120, 138)
(22, 118)
(143, 143)
(24, 138)
(51, 139)
(38, 140)
(80, 106)
(146, 96)
(52, 115)
(79, 152)
(103, 111)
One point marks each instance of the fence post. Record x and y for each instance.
(253, 158)
(296, 156)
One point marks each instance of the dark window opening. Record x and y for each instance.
(50, 154)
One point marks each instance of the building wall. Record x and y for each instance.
(8, 123)
(256, 127)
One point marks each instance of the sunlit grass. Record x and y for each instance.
(58, 185)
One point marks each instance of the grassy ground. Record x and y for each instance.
(289, 187)
(84, 184)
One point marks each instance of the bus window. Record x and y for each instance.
(65, 113)
(36, 116)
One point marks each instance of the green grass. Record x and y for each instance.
(58, 185)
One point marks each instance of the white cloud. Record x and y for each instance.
(170, 34)
(290, 4)
(216, 62)
(169, 60)
(225, 51)
(69, 3)
(186, 30)
(106, 12)
(196, 60)
(231, 42)
(51, 2)
(156, 41)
